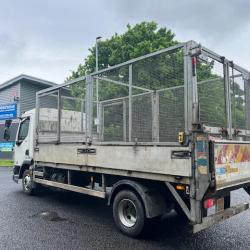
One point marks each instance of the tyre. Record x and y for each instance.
(128, 213)
(27, 183)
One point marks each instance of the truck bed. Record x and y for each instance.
(156, 162)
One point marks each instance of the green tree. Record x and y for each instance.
(163, 71)
(137, 40)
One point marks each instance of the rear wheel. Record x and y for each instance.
(128, 213)
(27, 183)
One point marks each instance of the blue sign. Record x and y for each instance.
(8, 111)
(6, 146)
(221, 170)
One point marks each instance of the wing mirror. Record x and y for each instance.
(6, 134)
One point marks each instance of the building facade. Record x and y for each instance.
(17, 96)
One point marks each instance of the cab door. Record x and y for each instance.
(22, 144)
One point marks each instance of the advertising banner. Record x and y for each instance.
(232, 163)
(8, 111)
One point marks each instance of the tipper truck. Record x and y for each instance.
(168, 130)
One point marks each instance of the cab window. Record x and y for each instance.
(24, 129)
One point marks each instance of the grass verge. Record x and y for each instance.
(6, 163)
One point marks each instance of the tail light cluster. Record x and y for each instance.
(209, 203)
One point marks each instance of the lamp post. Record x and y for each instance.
(96, 52)
(97, 83)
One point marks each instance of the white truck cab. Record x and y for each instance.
(24, 144)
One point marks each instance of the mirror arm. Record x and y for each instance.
(19, 142)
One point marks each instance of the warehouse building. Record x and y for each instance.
(17, 96)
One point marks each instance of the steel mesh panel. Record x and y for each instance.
(161, 71)
(110, 95)
(73, 113)
(171, 114)
(75, 90)
(48, 117)
(211, 93)
(109, 90)
(238, 100)
(119, 74)
(212, 103)
(113, 122)
(48, 112)
(73, 117)
(110, 83)
(116, 116)
(142, 118)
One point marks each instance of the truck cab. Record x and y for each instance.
(24, 144)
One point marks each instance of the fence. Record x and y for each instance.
(148, 100)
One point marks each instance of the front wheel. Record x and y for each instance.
(27, 182)
(128, 213)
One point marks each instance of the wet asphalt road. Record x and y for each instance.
(82, 222)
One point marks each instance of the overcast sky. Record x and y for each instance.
(48, 38)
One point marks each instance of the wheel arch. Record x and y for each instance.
(24, 167)
(152, 199)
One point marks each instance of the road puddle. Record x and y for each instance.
(49, 216)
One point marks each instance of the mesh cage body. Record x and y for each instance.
(48, 117)
(144, 100)
(146, 76)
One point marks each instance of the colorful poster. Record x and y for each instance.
(232, 163)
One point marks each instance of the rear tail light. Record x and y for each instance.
(209, 203)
